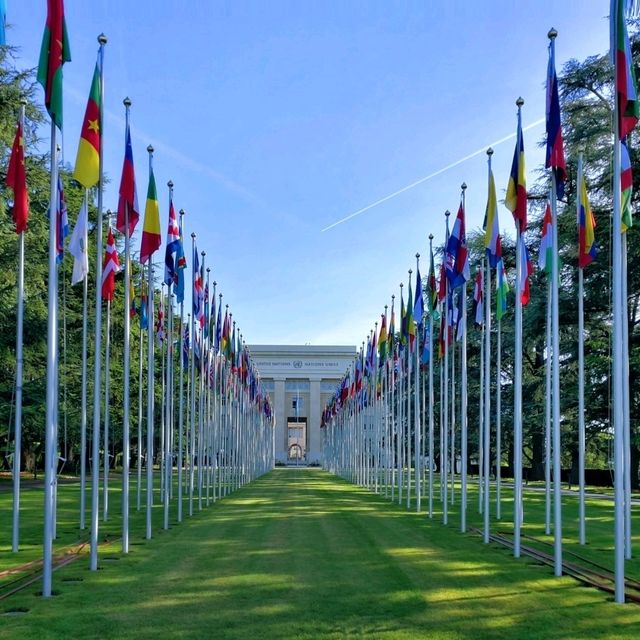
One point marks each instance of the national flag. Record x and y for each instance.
(526, 270)
(218, 329)
(54, 52)
(432, 288)
(442, 285)
(626, 185)
(110, 266)
(410, 324)
(492, 240)
(382, 340)
(128, 198)
(457, 262)
(198, 292)
(418, 305)
(185, 345)
(516, 197)
(206, 310)
(628, 106)
(457, 314)
(78, 245)
(181, 263)
(173, 240)
(3, 22)
(62, 222)
(160, 322)
(17, 180)
(132, 296)
(587, 248)
(502, 289)
(545, 256)
(144, 308)
(225, 347)
(151, 239)
(426, 352)
(391, 340)
(555, 145)
(478, 297)
(87, 171)
(403, 322)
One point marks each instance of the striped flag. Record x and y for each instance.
(626, 92)
(87, 170)
(17, 180)
(181, 263)
(587, 248)
(382, 341)
(110, 266)
(457, 263)
(502, 289)
(526, 272)
(545, 257)
(516, 197)
(171, 252)
(555, 146)
(128, 200)
(626, 184)
(492, 241)
(151, 239)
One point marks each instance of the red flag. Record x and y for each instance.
(110, 267)
(17, 180)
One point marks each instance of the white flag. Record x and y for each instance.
(78, 245)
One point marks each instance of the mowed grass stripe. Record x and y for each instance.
(301, 554)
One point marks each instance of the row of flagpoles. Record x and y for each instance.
(379, 428)
(216, 434)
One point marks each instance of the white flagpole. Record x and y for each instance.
(105, 468)
(140, 396)
(181, 405)
(17, 450)
(626, 406)
(83, 401)
(481, 470)
(127, 367)
(618, 348)
(498, 417)
(487, 394)
(150, 384)
(463, 397)
(97, 364)
(431, 398)
(163, 395)
(547, 426)
(200, 404)
(416, 407)
(581, 426)
(445, 427)
(192, 427)
(452, 452)
(408, 388)
(168, 456)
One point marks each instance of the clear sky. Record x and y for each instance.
(277, 119)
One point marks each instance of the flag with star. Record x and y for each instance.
(87, 170)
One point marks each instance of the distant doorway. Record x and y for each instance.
(296, 439)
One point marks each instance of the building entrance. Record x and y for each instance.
(297, 439)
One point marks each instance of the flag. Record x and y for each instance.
(457, 262)
(526, 270)
(502, 288)
(17, 180)
(54, 52)
(62, 222)
(132, 296)
(403, 323)
(110, 267)
(442, 285)
(78, 245)
(545, 257)
(198, 294)
(160, 322)
(171, 252)
(432, 288)
(144, 309)
(426, 353)
(206, 310)
(555, 146)
(382, 341)
(410, 324)
(181, 263)
(587, 248)
(391, 337)
(87, 171)
(3, 21)
(185, 345)
(478, 293)
(516, 197)
(151, 228)
(218, 328)
(128, 198)
(225, 347)
(492, 241)
(418, 305)
(628, 106)
(626, 184)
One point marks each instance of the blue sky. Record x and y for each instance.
(277, 119)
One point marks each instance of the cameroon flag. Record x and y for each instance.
(151, 240)
(87, 171)
(53, 54)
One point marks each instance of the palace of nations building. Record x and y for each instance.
(300, 381)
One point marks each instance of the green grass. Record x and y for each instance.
(301, 554)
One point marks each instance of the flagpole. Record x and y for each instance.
(452, 442)
(83, 401)
(481, 470)
(547, 426)
(463, 397)
(431, 395)
(618, 344)
(498, 414)
(107, 355)
(140, 396)
(416, 405)
(200, 400)
(163, 402)
(445, 428)
(17, 450)
(168, 455)
(192, 427)
(408, 405)
(626, 406)
(150, 382)
(181, 405)
(97, 360)
(487, 392)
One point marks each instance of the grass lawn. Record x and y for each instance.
(301, 554)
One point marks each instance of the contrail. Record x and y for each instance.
(431, 175)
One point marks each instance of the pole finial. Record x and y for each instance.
(410, 272)
(102, 39)
(150, 149)
(489, 151)
(203, 253)
(127, 102)
(208, 269)
(417, 255)
(181, 212)
(170, 184)
(519, 102)
(430, 237)
(463, 186)
(447, 213)
(553, 34)
(193, 235)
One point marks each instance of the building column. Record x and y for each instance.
(281, 421)
(315, 411)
